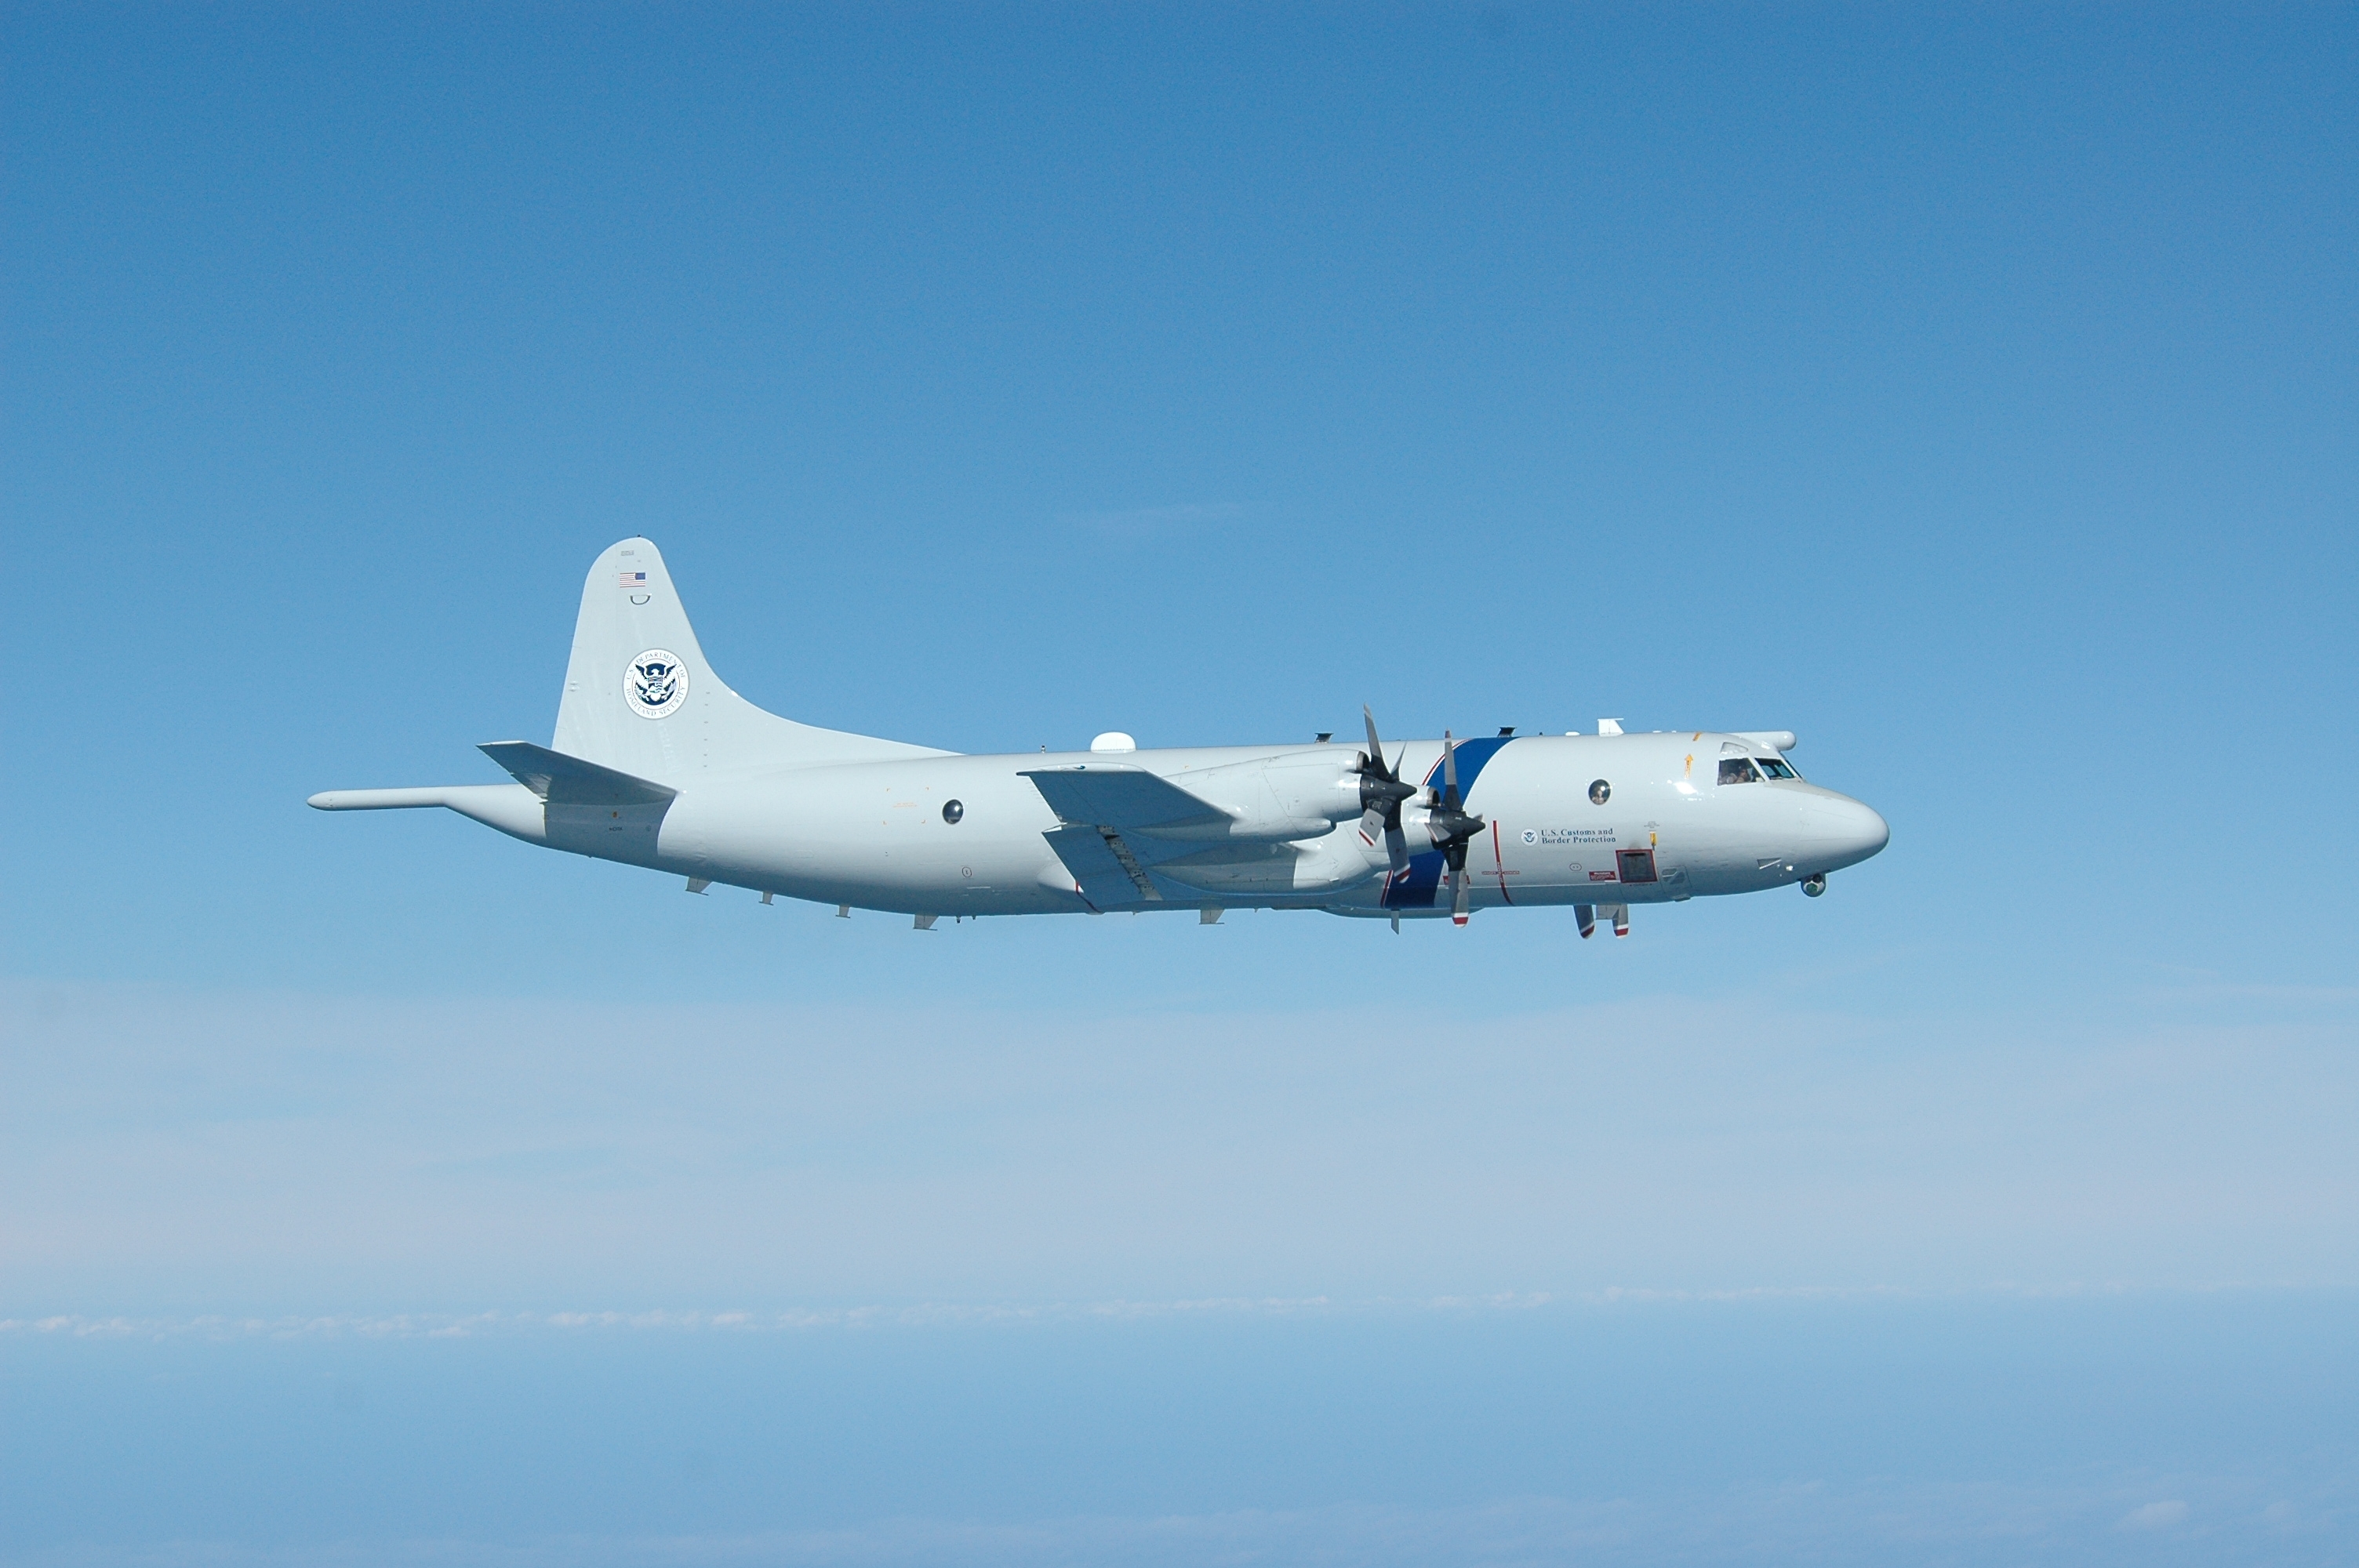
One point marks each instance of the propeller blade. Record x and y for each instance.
(1458, 894)
(1380, 794)
(1449, 771)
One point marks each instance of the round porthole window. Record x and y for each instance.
(952, 811)
(1599, 793)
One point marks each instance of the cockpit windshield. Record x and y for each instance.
(1776, 767)
(1737, 770)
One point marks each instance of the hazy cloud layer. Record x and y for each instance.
(2234, 1522)
(259, 1155)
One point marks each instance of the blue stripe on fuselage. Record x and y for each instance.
(1414, 888)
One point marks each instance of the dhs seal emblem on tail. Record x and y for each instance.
(655, 684)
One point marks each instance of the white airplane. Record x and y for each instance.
(657, 763)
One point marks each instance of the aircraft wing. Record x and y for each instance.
(562, 780)
(1111, 817)
(1130, 800)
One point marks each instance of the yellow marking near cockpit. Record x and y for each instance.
(1690, 768)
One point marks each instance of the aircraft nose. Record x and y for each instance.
(1844, 831)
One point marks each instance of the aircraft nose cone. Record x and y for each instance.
(1875, 832)
(1843, 831)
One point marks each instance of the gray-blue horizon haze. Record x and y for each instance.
(1970, 392)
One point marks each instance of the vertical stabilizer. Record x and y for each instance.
(640, 698)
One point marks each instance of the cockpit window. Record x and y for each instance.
(1776, 767)
(1738, 770)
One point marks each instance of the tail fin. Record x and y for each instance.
(640, 698)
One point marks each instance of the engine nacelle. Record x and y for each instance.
(1294, 795)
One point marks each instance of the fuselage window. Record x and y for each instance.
(1738, 770)
(1776, 767)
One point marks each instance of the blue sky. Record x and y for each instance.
(1971, 392)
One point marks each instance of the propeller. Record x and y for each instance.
(1381, 796)
(1452, 826)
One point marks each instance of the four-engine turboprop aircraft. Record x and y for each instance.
(657, 763)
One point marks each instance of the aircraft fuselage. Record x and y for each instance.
(951, 835)
(656, 762)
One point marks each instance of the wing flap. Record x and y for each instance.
(1107, 870)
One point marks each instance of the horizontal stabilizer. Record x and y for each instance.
(569, 781)
(1130, 799)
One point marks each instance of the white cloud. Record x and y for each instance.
(2155, 1516)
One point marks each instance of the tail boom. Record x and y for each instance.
(510, 808)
